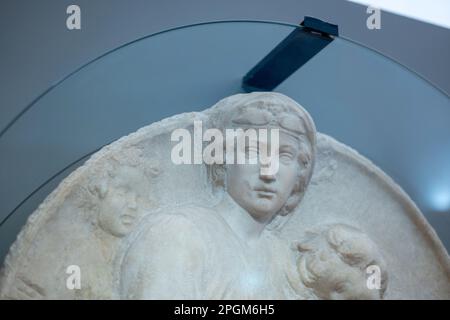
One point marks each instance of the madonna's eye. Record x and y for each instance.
(122, 192)
(286, 156)
(341, 287)
(251, 151)
(251, 148)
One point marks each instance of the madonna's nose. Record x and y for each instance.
(266, 176)
(132, 202)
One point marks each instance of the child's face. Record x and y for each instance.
(124, 201)
(336, 280)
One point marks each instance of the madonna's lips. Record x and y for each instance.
(265, 190)
(127, 219)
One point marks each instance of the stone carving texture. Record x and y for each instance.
(139, 226)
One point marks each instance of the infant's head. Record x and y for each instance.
(118, 194)
(333, 264)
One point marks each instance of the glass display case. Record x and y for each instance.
(386, 112)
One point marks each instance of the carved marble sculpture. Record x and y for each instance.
(138, 225)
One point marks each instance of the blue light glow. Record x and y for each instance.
(440, 200)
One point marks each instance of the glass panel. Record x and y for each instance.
(365, 100)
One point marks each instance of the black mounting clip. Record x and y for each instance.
(290, 54)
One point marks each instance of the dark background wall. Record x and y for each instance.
(37, 49)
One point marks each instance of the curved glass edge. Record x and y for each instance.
(14, 222)
(73, 164)
(55, 177)
(32, 103)
(58, 82)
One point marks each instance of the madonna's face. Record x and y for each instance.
(262, 195)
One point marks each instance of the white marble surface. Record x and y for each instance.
(138, 226)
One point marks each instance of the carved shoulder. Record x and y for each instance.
(169, 254)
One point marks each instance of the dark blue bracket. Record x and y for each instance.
(290, 54)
